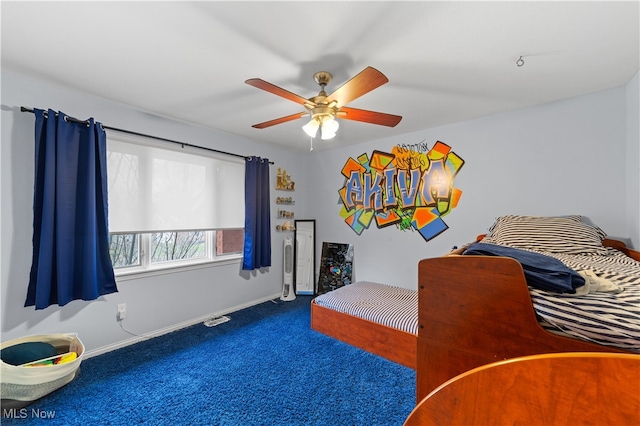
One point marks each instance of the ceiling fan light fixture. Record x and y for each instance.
(329, 128)
(311, 128)
(323, 118)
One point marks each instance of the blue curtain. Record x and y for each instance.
(257, 216)
(70, 230)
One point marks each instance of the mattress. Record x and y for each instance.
(384, 304)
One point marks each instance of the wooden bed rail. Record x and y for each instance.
(619, 245)
(476, 310)
(391, 343)
(549, 389)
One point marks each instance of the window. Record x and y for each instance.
(124, 250)
(230, 241)
(158, 250)
(170, 246)
(159, 194)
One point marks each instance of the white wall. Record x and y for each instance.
(153, 303)
(633, 160)
(561, 158)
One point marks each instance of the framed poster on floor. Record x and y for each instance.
(336, 266)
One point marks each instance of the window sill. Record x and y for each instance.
(125, 275)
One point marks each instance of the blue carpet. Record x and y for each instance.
(264, 367)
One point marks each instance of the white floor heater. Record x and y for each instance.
(288, 293)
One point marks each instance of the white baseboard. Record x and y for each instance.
(189, 323)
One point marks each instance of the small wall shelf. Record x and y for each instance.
(287, 226)
(285, 214)
(285, 183)
(285, 200)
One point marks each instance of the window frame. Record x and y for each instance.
(146, 268)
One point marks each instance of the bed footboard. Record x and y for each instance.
(390, 343)
(475, 310)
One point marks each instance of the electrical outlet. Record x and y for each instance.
(122, 311)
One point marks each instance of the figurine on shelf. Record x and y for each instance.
(284, 214)
(285, 200)
(283, 181)
(287, 226)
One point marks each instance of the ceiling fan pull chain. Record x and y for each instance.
(311, 144)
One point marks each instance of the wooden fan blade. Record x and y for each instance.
(279, 120)
(366, 116)
(361, 84)
(271, 88)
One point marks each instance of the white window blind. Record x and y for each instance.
(155, 186)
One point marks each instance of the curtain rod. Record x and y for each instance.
(183, 144)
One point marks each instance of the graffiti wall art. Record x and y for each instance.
(410, 188)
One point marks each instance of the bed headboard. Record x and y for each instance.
(475, 310)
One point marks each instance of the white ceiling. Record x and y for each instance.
(446, 61)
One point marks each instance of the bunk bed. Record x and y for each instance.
(473, 310)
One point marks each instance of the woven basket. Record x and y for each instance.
(21, 385)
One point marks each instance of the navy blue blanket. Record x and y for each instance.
(541, 271)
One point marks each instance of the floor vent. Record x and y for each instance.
(212, 322)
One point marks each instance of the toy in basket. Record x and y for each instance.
(35, 366)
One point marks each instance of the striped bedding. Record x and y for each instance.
(603, 318)
(388, 305)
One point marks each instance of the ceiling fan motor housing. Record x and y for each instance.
(322, 112)
(319, 108)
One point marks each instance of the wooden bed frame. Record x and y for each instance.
(487, 316)
(473, 310)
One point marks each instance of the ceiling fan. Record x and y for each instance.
(324, 109)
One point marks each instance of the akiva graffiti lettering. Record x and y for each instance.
(411, 189)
